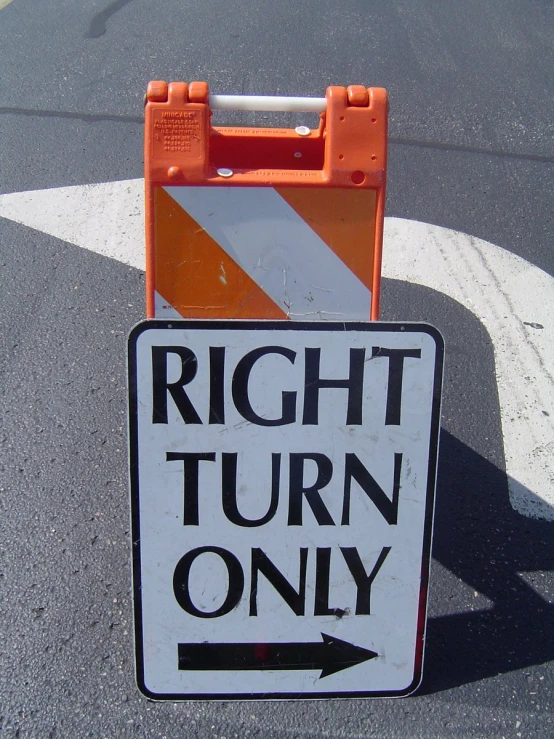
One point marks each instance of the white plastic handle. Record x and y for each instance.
(268, 103)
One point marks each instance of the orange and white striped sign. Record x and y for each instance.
(262, 252)
(298, 244)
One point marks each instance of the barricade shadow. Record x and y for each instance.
(486, 544)
(497, 621)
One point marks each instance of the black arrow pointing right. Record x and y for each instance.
(330, 656)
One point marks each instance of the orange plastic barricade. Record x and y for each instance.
(264, 222)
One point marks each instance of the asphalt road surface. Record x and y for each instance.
(470, 149)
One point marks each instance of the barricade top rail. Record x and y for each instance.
(268, 103)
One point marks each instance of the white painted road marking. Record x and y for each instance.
(510, 296)
(107, 219)
(513, 299)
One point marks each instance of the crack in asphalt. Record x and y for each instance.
(394, 141)
(97, 26)
(86, 117)
(469, 149)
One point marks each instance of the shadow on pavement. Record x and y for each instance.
(485, 543)
(485, 618)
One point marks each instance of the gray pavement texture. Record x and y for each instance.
(471, 149)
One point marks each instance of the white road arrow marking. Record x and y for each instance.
(511, 297)
(107, 219)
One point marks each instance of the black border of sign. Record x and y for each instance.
(258, 325)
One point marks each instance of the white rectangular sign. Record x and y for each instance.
(282, 479)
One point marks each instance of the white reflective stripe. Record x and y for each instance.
(162, 309)
(268, 103)
(267, 238)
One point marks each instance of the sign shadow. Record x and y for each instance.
(489, 609)
(486, 544)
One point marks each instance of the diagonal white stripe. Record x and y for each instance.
(267, 238)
